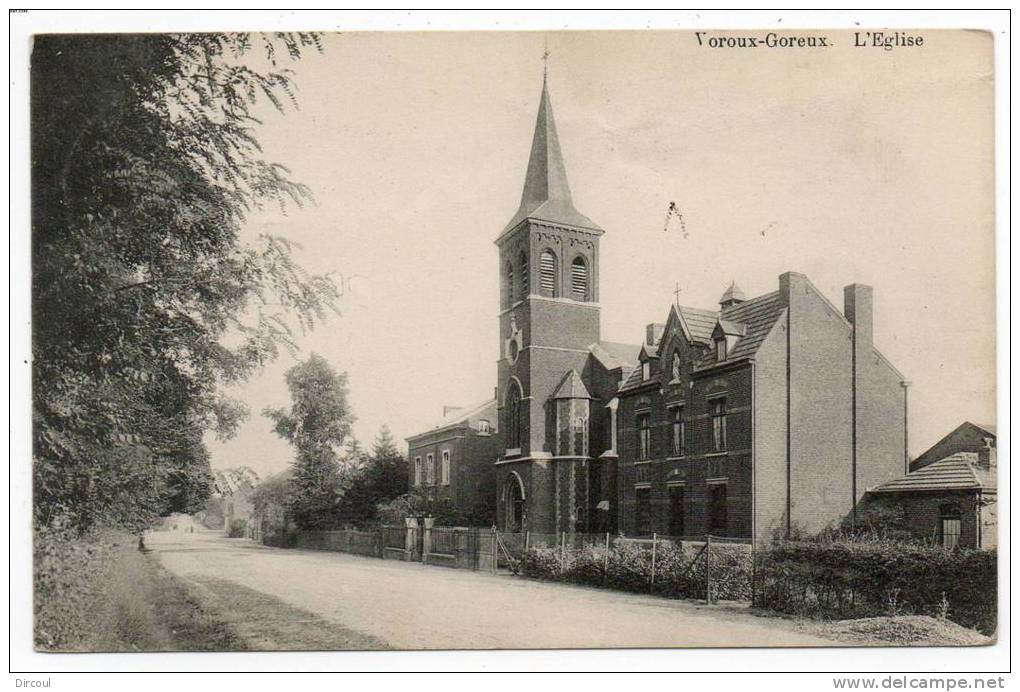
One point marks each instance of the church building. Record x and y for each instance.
(771, 415)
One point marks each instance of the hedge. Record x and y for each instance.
(853, 579)
(679, 569)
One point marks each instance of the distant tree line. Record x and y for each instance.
(145, 300)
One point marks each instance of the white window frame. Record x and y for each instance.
(444, 468)
(646, 370)
(417, 471)
(430, 469)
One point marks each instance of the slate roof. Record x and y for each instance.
(546, 194)
(462, 415)
(758, 316)
(732, 293)
(571, 387)
(699, 322)
(614, 355)
(751, 320)
(957, 472)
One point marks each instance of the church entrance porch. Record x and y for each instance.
(514, 506)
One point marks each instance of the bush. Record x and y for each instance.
(238, 528)
(853, 579)
(680, 569)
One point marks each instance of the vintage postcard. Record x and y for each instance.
(498, 340)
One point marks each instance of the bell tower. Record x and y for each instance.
(549, 310)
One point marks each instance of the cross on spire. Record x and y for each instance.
(545, 60)
(676, 293)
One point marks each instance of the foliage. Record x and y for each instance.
(680, 569)
(238, 528)
(380, 477)
(864, 578)
(317, 425)
(145, 299)
(422, 501)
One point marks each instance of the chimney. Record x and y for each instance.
(791, 285)
(653, 333)
(857, 301)
(986, 455)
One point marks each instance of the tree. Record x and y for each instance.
(381, 477)
(388, 467)
(317, 425)
(145, 302)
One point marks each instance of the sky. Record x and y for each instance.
(846, 164)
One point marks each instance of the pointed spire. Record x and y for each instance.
(732, 296)
(546, 194)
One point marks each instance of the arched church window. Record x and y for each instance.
(676, 365)
(522, 263)
(509, 289)
(513, 416)
(579, 279)
(547, 271)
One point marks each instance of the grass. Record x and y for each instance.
(104, 595)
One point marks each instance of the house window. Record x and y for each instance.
(717, 509)
(719, 425)
(547, 270)
(949, 526)
(643, 515)
(522, 263)
(676, 510)
(509, 284)
(676, 365)
(644, 436)
(444, 469)
(513, 416)
(579, 279)
(483, 427)
(417, 471)
(679, 431)
(430, 470)
(720, 349)
(646, 370)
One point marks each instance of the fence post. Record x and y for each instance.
(527, 540)
(493, 552)
(655, 542)
(563, 549)
(708, 569)
(605, 564)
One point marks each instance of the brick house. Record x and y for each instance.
(454, 460)
(769, 416)
(967, 437)
(950, 502)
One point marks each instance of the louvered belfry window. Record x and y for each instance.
(579, 279)
(547, 274)
(523, 262)
(509, 296)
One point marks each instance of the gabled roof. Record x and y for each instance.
(614, 355)
(698, 323)
(571, 387)
(226, 482)
(957, 472)
(546, 194)
(462, 416)
(731, 328)
(757, 316)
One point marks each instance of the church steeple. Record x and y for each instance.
(546, 195)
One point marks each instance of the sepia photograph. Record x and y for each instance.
(490, 340)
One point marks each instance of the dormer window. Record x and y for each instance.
(483, 427)
(646, 370)
(720, 349)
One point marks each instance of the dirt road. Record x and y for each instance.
(385, 603)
